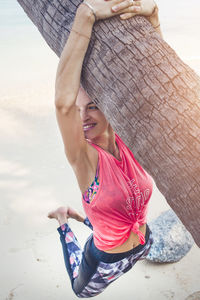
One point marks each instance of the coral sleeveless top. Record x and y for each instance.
(120, 205)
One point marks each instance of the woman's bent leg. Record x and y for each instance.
(92, 270)
(109, 266)
(80, 265)
(71, 250)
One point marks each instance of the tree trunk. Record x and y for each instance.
(150, 97)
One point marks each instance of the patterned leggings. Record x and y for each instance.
(92, 270)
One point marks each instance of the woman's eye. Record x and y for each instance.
(93, 107)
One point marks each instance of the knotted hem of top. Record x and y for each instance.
(135, 229)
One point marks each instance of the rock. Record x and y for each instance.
(171, 239)
(195, 296)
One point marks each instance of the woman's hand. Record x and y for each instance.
(104, 9)
(142, 7)
(146, 8)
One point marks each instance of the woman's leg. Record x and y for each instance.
(92, 270)
(112, 266)
(71, 248)
(80, 265)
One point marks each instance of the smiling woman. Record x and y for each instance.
(115, 188)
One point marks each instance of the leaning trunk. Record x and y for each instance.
(150, 97)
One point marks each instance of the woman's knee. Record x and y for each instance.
(85, 291)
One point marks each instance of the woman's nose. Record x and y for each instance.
(84, 115)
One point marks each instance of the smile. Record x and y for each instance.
(88, 126)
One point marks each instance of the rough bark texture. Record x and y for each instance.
(150, 97)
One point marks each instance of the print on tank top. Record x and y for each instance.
(136, 202)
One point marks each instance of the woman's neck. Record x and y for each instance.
(107, 143)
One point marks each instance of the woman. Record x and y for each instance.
(115, 188)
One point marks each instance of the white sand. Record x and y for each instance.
(35, 176)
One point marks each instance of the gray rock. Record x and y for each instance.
(195, 296)
(171, 239)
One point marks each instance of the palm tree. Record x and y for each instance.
(150, 97)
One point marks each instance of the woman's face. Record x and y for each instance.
(94, 121)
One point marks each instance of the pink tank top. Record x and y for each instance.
(120, 205)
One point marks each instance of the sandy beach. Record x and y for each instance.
(35, 177)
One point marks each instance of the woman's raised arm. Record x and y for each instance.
(68, 82)
(69, 72)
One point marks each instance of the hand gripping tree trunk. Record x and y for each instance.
(150, 97)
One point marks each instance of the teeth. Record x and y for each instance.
(88, 126)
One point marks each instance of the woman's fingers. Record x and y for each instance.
(127, 16)
(131, 4)
(134, 10)
(139, 7)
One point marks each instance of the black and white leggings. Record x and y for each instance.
(92, 270)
